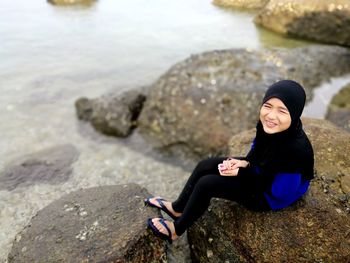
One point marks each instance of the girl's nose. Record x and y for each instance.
(271, 115)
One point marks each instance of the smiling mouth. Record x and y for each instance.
(270, 124)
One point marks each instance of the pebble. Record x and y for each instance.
(209, 253)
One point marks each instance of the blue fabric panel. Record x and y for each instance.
(286, 189)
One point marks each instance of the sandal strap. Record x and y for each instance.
(160, 202)
(161, 206)
(162, 221)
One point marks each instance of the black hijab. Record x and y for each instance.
(289, 151)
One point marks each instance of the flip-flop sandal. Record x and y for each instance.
(155, 230)
(162, 206)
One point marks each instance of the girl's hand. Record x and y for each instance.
(228, 172)
(231, 166)
(232, 163)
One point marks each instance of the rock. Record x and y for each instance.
(246, 4)
(345, 186)
(100, 224)
(315, 229)
(320, 20)
(72, 2)
(339, 108)
(112, 114)
(84, 108)
(51, 166)
(310, 231)
(332, 164)
(199, 103)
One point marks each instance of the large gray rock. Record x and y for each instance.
(112, 114)
(339, 108)
(320, 20)
(199, 103)
(100, 224)
(246, 4)
(315, 229)
(52, 166)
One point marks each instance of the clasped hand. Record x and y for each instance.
(231, 166)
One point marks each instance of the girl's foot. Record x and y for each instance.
(163, 226)
(157, 201)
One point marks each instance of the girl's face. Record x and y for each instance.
(274, 116)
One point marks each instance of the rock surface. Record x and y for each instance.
(246, 4)
(201, 102)
(100, 224)
(315, 229)
(339, 108)
(310, 231)
(52, 166)
(320, 20)
(71, 2)
(112, 114)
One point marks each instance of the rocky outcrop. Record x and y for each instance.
(201, 102)
(71, 2)
(315, 229)
(311, 231)
(245, 4)
(50, 166)
(320, 20)
(339, 108)
(332, 164)
(112, 114)
(100, 224)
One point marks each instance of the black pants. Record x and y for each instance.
(205, 183)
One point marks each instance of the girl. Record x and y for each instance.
(275, 173)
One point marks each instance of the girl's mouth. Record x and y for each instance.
(270, 124)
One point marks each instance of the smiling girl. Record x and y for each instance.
(275, 173)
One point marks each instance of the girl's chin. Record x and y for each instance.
(270, 130)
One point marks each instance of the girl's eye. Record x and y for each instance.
(267, 106)
(283, 111)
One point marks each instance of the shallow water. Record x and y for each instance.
(51, 55)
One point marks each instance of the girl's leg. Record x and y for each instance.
(204, 167)
(233, 188)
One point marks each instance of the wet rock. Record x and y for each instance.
(84, 108)
(197, 105)
(246, 4)
(100, 224)
(112, 114)
(320, 20)
(315, 229)
(72, 2)
(50, 166)
(339, 108)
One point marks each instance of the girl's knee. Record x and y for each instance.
(204, 184)
(208, 164)
(202, 164)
